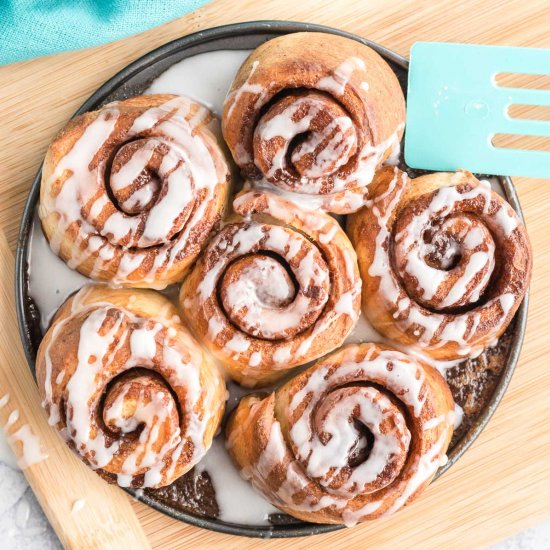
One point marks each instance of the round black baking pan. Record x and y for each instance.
(134, 80)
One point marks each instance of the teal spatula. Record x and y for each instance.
(455, 107)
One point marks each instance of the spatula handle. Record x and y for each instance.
(106, 520)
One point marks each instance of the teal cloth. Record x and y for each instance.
(32, 28)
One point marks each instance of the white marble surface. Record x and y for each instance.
(23, 525)
(536, 538)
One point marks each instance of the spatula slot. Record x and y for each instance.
(529, 112)
(522, 80)
(526, 143)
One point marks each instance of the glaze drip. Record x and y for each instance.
(127, 387)
(130, 193)
(272, 291)
(305, 446)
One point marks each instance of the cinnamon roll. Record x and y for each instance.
(445, 261)
(313, 115)
(356, 436)
(128, 387)
(130, 193)
(275, 288)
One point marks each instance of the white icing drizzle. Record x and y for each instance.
(424, 468)
(336, 82)
(246, 291)
(31, 446)
(365, 333)
(12, 418)
(327, 401)
(327, 237)
(458, 415)
(374, 409)
(348, 193)
(186, 158)
(96, 348)
(261, 302)
(477, 256)
(265, 285)
(246, 88)
(209, 87)
(237, 501)
(78, 505)
(338, 139)
(4, 400)
(435, 329)
(351, 191)
(282, 354)
(51, 291)
(22, 513)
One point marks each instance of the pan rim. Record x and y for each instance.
(153, 57)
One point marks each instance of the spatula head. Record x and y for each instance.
(455, 107)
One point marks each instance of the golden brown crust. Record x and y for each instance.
(130, 192)
(276, 288)
(128, 387)
(445, 261)
(338, 95)
(306, 446)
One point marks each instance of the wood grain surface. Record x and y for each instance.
(502, 483)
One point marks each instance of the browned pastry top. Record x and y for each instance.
(314, 114)
(128, 387)
(445, 261)
(355, 436)
(277, 287)
(130, 192)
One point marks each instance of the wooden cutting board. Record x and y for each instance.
(502, 484)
